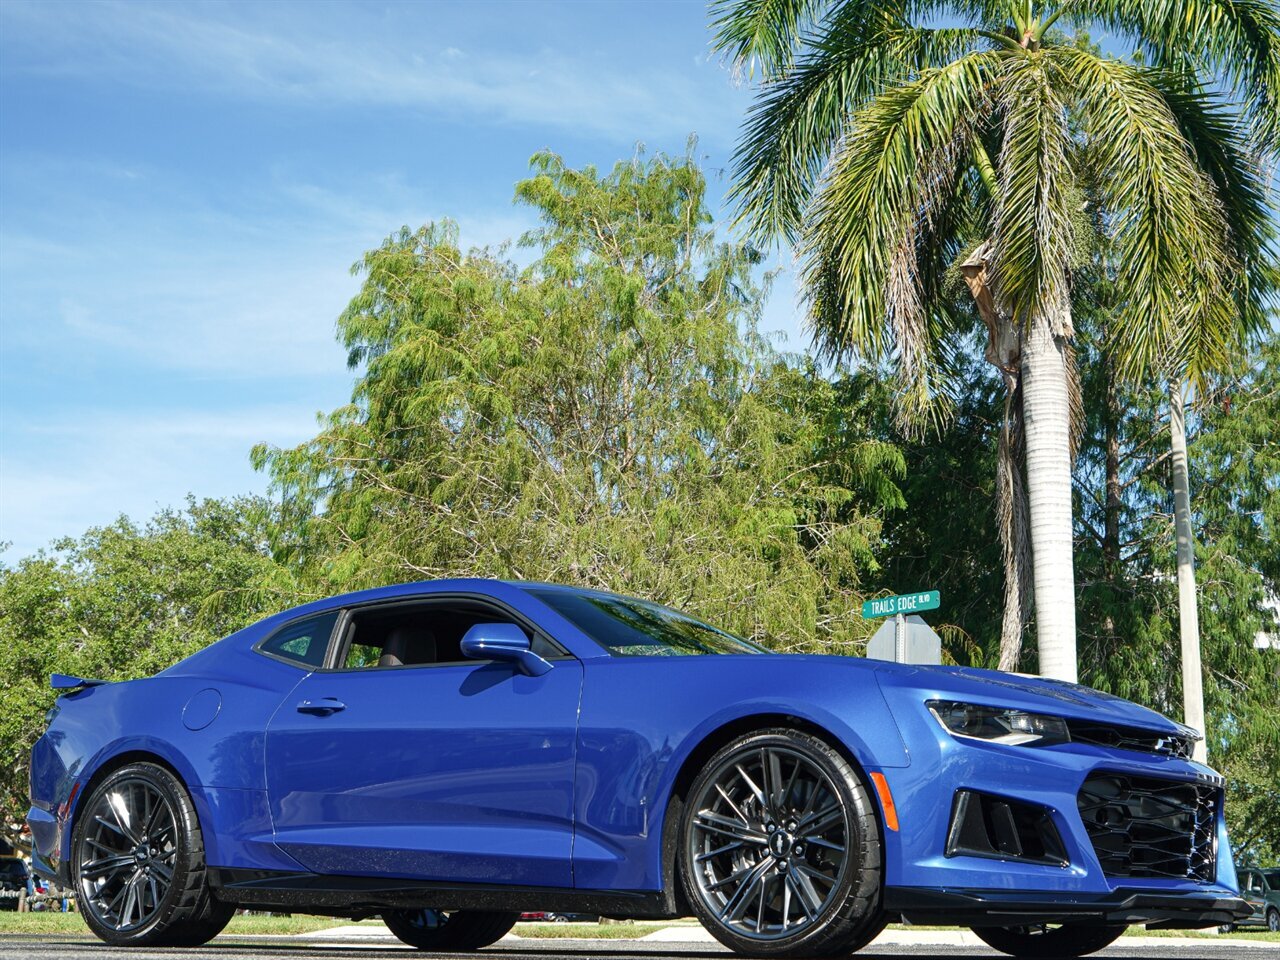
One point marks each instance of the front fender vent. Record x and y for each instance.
(1148, 827)
(984, 825)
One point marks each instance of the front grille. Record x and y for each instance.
(1144, 827)
(1130, 738)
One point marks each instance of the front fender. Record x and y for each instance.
(643, 718)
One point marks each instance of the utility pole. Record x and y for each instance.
(1188, 612)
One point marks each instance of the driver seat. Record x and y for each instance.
(408, 644)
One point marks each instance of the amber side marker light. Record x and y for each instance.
(886, 801)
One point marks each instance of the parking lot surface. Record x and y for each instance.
(57, 947)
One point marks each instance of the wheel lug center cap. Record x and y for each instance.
(779, 843)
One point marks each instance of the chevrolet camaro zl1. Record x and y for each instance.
(446, 755)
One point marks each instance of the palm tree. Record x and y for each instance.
(878, 131)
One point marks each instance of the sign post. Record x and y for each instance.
(904, 629)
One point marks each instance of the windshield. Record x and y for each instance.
(635, 628)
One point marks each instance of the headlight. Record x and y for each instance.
(997, 725)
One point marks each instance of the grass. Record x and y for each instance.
(72, 923)
(1247, 933)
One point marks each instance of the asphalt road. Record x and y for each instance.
(57, 947)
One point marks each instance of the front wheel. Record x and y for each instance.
(1049, 942)
(780, 848)
(138, 863)
(449, 930)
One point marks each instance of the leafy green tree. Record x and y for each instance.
(873, 132)
(125, 601)
(607, 416)
(1235, 471)
(944, 535)
(1125, 552)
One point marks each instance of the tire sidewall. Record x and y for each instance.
(859, 880)
(184, 816)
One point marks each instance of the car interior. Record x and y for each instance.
(421, 634)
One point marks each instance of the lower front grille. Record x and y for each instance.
(1149, 827)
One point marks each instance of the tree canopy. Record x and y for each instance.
(122, 601)
(607, 416)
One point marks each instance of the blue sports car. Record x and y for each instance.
(446, 755)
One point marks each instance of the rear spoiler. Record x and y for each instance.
(64, 681)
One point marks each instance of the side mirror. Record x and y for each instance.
(505, 642)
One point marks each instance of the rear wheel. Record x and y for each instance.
(780, 848)
(1045, 941)
(138, 863)
(1273, 920)
(449, 930)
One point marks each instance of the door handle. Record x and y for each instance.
(321, 708)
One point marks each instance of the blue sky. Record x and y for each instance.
(183, 188)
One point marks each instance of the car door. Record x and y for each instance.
(1270, 893)
(1251, 890)
(437, 768)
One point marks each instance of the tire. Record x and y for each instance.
(780, 849)
(138, 831)
(1273, 920)
(1049, 942)
(460, 930)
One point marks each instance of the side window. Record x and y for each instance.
(303, 642)
(420, 634)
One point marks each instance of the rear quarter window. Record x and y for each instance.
(303, 642)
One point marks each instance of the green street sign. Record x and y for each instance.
(907, 603)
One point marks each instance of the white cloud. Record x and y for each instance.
(192, 287)
(278, 52)
(61, 475)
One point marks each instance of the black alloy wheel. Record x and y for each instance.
(461, 930)
(138, 862)
(1049, 941)
(780, 848)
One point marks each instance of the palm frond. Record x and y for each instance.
(1169, 230)
(892, 177)
(1209, 127)
(992, 15)
(1032, 235)
(762, 32)
(793, 126)
(1236, 39)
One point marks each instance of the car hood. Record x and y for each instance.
(1041, 694)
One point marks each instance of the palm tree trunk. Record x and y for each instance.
(1004, 352)
(1114, 502)
(1047, 414)
(1188, 613)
